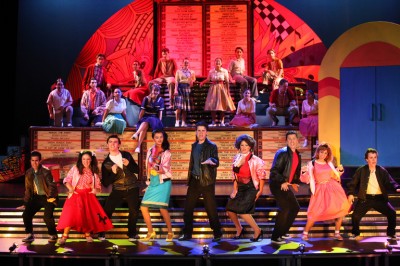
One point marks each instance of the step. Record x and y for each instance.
(373, 224)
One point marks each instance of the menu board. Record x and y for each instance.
(58, 143)
(182, 33)
(59, 148)
(227, 27)
(269, 142)
(204, 31)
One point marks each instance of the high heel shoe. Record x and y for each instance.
(240, 235)
(63, 240)
(149, 236)
(89, 238)
(170, 237)
(261, 235)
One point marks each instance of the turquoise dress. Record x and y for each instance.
(157, 193)
(114, 122)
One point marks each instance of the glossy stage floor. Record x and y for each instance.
(370, 250)
(316, 251)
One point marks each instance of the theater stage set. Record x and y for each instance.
(372, 249)
(302, 52)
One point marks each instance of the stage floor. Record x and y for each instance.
(366, 251)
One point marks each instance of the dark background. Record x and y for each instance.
(42, 39)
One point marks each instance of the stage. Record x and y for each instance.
(326, 251)
(372, 249)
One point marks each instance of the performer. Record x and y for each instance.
(373, 182)
(82, 211)
(156, 196)
(248, 183)
(328, 200)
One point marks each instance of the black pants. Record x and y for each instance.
(193, 194)
(32, 207)
(288, 207)
(131, 196)
(380, 204)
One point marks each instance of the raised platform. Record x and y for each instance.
(59, 146)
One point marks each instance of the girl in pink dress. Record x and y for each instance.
(246, 111)
(328, 200)
(82, 211)
(308, 125)
(219, 98)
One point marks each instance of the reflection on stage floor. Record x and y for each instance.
(365, 251)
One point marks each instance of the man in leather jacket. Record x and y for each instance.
(40, 192)
(285, 172)
(202, 176)
(371, 183)
(120, 170)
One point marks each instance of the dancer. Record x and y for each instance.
(285, 173)
(82, 211)
(156, 196)
(328, 200)
(248, 183)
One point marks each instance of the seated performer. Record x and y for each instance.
(139, 89)
(165, 72)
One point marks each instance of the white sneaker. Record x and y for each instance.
(98, 124)
(305, 144)
(278, 241)
(177, 123)
(273, 124)
(137, 150)
(183, 124)
(69, 125)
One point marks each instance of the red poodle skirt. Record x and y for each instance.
(83, 213)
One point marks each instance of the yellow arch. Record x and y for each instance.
(329, 105)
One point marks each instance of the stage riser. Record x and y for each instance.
(373, 224)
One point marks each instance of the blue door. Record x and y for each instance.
(369, 114)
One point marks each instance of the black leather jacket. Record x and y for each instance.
(281, 167)
(359, 183)
(208, 173)
(45, 178)
(125, 178)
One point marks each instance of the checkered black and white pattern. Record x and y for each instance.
(280, 28)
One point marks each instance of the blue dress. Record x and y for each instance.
(151, 112)
(157, 194)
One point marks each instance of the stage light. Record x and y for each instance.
(302, 248)
(206, 251)
(388, 247)
(114, 249)
(13, 247)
